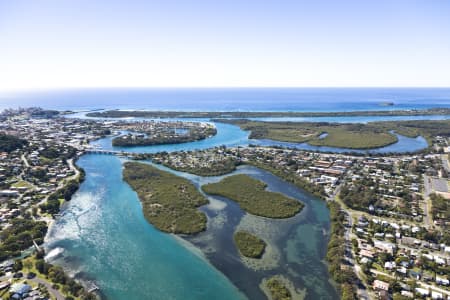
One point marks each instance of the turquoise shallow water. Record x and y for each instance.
(231, 135)
(105, 237)
(228, 135)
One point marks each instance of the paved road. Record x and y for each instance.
(349, 255)
(25, 161)
(349, 258)
(54, 293)
(73, 168)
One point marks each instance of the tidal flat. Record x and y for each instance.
(295, 246)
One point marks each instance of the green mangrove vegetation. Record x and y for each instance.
(342, 135)
(353, 136)
(249, 245)
(316, 190)
(252, 197)
(20, 235)
(169, 202)
(277, 289)
(426, 128)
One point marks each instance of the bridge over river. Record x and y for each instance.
(111, 152)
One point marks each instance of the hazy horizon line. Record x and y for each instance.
(27, 90)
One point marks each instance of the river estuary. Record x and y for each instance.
(102, 235)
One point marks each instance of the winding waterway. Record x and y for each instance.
(103, 236)
(106, 238)
(231, 135)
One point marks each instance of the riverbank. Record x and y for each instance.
(107, 239)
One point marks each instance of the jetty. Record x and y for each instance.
(36, 246)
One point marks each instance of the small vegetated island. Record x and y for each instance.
(169, 202)
(277, 289)
(150, 133)
(252, 197)
(249, 245)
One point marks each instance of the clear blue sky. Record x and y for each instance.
(103, 43)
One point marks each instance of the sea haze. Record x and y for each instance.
(234, 99)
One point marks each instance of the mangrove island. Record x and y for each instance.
(252, 197)
(169, 202)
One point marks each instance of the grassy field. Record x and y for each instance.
(249, 245)
(22, 183)
(354, 139)
(352, 136)
(291, 134)
(252, 196)
(169, 202)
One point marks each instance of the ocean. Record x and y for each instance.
(233, 99)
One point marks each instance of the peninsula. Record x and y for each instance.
(261, 114)
(150, 133)
(342, 135)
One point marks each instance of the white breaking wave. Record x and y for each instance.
(83, 206)
(54, 253)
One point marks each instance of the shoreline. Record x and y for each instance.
(118, 113)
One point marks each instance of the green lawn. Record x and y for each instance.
(22, 183)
